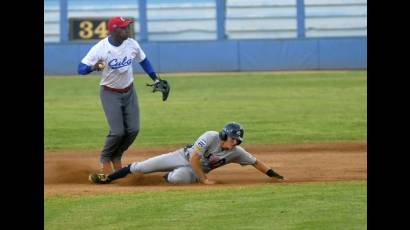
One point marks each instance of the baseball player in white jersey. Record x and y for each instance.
(114, 55)
(191, 164)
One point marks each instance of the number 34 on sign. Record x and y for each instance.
(91, 28)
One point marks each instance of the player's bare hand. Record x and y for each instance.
(208, 182)
(280, 179)
(100, 65)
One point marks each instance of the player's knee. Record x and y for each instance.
(133, 132)
(180, 177)
(118, 134)
(176, 180)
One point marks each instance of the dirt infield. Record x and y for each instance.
(66, 172)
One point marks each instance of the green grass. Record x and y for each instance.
(289, 107)
(332, 205)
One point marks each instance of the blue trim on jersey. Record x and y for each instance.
(146, 65)
(84, 69)
(111, 42)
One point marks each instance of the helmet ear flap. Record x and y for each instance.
(222, 135)
(241, 135)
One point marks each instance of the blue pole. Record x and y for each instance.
(63, 21)
(301, 18)
(142, 9)
(220, 19)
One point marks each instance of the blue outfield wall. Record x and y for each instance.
(227, 55)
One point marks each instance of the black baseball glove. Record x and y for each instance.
(161, 86)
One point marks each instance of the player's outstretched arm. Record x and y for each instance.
(196, 166)
(147, 67)
(262, 167)
(159, 84)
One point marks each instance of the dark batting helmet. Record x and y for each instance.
(232, 130)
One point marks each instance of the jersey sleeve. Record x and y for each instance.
(244, 158)
(92, 56)
(137, 51)
(202, 143)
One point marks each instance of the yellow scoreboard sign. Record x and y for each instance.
(91, 28)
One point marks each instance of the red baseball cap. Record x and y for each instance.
(118, 22)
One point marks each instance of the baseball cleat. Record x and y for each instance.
(98, 178)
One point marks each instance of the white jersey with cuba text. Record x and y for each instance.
(118, 71)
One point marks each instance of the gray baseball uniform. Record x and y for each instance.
(177, 162)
